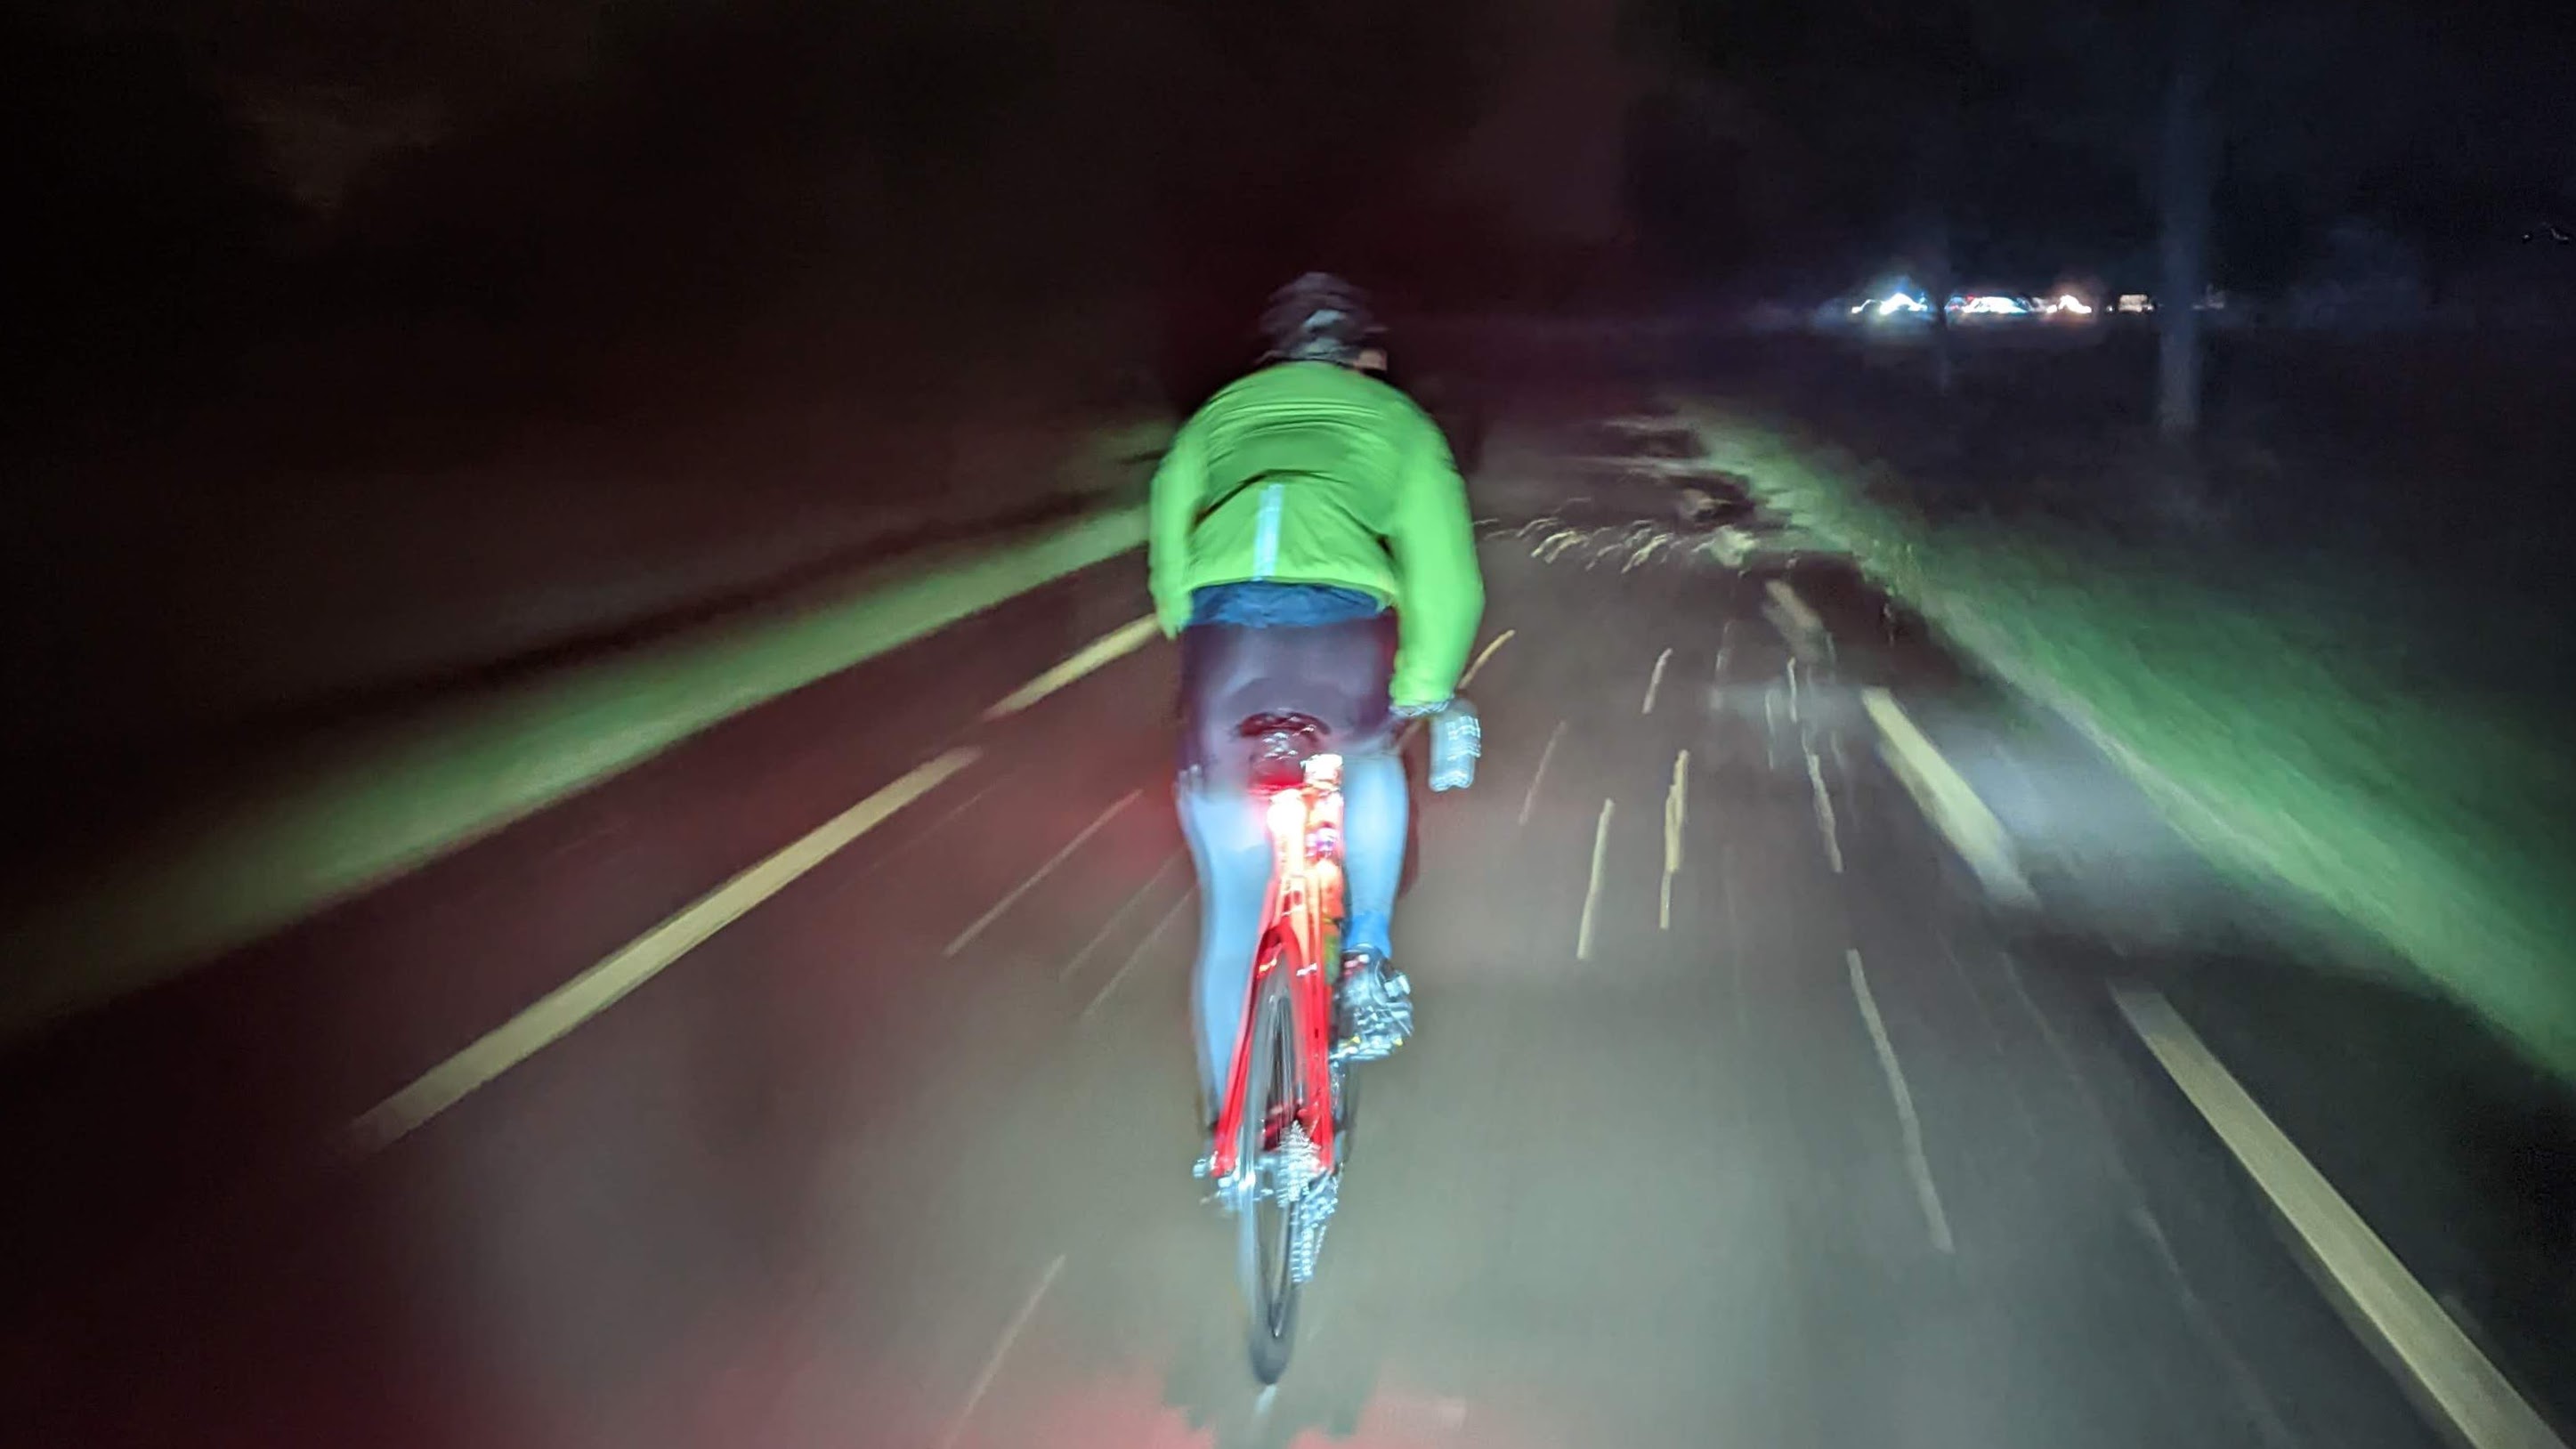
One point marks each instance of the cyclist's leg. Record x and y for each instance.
(1221, 669)
(1374, 806)
(1230, 846)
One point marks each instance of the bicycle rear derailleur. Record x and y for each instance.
(1297, 1180)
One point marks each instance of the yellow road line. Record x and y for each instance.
(1115, 644)
(2456, 1379)
(1676, 810)
(1655, 681)
(1592, 891)
(1023, 888)
(1484, 654)
(639, 961)
(1952, 807)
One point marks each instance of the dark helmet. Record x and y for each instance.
(1320, 318)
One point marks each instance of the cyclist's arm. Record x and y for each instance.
(1179, 484)
(1441, 592)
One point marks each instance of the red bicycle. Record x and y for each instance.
(1282, 1132)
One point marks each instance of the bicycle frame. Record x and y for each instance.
(1304, 911)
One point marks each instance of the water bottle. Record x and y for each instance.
(1457, 738)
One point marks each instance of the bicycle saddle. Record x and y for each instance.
(1282, 743)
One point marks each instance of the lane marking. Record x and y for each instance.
(1676, 810)
(1824, 809)
(1138, 954)
(1794, 607)
(2249, 1387)
(1698, 469)
(1644, 423)
(1793, 688)
(639, 961)
(1116, 644)
(1916, 1164)
(2456, 1378)
(1484, 654)
(2268, 1422)
(1592, 892)
(1645, 555)
(386, 800)
(1946, 799)
(1655, 681)
(1133, 901)
(1790, 615)
(1540, 773)
(954, 811)
(1023, 888)
(1002, 1350)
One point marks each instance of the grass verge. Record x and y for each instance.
(2268, 729)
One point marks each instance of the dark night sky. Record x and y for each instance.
(531, 150)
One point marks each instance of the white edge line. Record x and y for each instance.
(1917, 1165)
(1023, 888)
(1796, 608)
(1124, 640)
(1946, 799)
(2457, 1379)
(1002, 1350)
(603, 985)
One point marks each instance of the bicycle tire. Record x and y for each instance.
(1269, 1290)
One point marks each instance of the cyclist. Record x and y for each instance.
(1312, 549)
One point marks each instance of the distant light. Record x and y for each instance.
(1995, 307)
(2136, 302)
(1896, 302)
(2075, 304)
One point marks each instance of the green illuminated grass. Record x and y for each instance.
(2275, 741)
(373, 807)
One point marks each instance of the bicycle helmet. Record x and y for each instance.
(1320, 318)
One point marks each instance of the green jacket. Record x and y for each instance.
(1309, 473)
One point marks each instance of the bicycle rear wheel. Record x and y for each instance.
(1266, 1224)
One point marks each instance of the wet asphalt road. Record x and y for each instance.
(1758, 1132)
